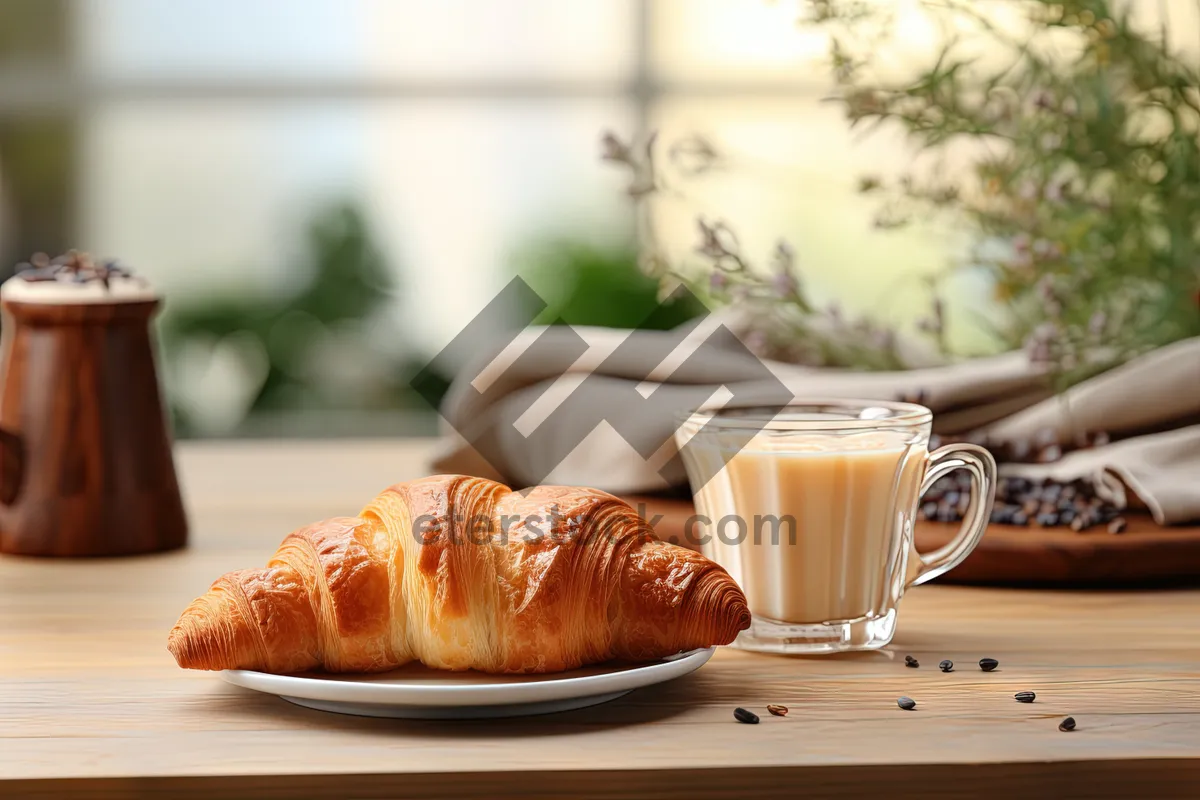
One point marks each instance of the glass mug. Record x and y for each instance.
(811, 510)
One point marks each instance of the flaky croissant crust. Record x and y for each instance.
(462, 573)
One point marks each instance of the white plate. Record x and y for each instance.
(417, 692)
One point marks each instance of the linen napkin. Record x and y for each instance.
(501, 421)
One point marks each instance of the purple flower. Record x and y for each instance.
(1043, 99)
(1037, 351)
(756, 341)
(785, 285)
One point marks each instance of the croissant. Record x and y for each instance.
(461, 573)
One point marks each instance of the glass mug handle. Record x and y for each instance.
(982, 466)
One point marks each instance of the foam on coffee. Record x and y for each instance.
(120, 289)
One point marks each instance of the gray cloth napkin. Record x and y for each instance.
(501, 420)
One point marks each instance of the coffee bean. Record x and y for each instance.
(907, 703)
(777, 710)
(1025, 697)
(909, 661)
(988, 664)
(946, 666)
(1021, 502)
(1067, 724)
(744, 716)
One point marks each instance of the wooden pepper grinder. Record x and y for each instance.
(85, 456)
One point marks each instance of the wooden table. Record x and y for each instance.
(91, 702)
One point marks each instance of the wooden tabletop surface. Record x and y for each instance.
(91, 703)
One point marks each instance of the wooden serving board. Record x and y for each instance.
(1145, 554)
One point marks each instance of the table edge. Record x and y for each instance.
(1158, 777)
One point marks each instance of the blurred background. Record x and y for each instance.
(327, 190)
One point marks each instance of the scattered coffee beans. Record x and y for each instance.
(1023, 501)
(988, 664)
(748, 717)
(946, 666)
(778, 710)
(909, 661)
(907, 703)
(1025, 697)
(1067, 724)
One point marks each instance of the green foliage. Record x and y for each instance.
(349, 278)
(587, 285)
(1085, 186)
(345, 283)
